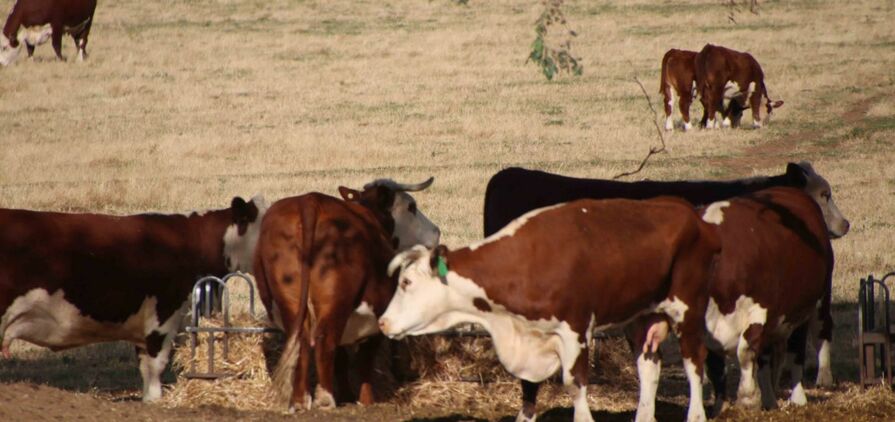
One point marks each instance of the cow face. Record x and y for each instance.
(770, 107)
(819, 189)
(423, 302)
(8, 53)
(407, 224)
(242, 234)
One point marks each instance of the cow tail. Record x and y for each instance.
(284, 374)
(663, 80)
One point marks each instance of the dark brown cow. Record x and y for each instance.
(542, 285)
(678, 75)
(774, 273)
(715, 67)
(321, 266)
(68, 280)
(32, 22)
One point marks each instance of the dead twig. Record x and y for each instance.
(652, 150)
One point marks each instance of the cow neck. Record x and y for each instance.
(207, 240)
(467, 264)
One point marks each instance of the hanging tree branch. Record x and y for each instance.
(652, 150)
(554, 60)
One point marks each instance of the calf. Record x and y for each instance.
(715, 67)
(679, 75)
(774, 273)
(68, 280)
(326, 258)
(544, 283)
(32, 22)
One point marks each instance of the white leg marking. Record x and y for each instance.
(324, 399)
(798, 397)
(151, 369)
(747, 393)
(726, 122)
(696, 412)
(669, 123)
(687, 126)
(648, 372)
(824, 370)
(522, 418)
(582, 409)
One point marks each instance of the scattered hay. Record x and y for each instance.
(851, 403)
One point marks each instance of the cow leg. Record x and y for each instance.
(749, 344)
(755, 103)
(56, 38)
(668, 97)
(823, 345)
(576, 380)
(82, 41)
(329, 331)
(153, 360)
(716, 370)
(796, 346)
(693, 353)
(684, 105)
(764, 377)
(366, 358)
(301, 395)
(529, 402)
(644, 341)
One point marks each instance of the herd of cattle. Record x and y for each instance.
(563, 258)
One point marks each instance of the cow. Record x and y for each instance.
(715, 67)
(33, 22)
(647, 261)
(678, 75)
(320, 266)
(69, 280)
(515, 191)
(774, 273)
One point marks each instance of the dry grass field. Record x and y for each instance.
(183, 104)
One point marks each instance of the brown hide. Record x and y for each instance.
(678, 73)
(76, 15)
(345, 266)
(715, 66)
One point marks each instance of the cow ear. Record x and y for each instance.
(777, 104)
(349, 194)
(438, 254)
(796, 174)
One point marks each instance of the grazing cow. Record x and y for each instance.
(321, 266)
(32, 22)
(514, 191)
(774, 273)
(543, 284)
(68, 280)
(715, 67)
(678, 75)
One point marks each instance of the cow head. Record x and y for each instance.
(424, 302)
(397, 211)
(770, 106)
(813, 184)
(241, 235)
(8, 52)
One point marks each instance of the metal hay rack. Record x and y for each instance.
(209, 295)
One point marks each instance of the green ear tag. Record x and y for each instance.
(442, 267)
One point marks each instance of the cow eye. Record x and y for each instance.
(412, 208)
(405, 283)
(826, 196)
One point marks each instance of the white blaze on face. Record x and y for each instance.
(239, 250)
(412, 227)
(714, 213)
(8, 54)
(511, 228)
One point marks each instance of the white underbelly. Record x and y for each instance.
(527, 351)
(51, 321)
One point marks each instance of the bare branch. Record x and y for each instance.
(652, 150)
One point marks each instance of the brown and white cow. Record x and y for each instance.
(678, 75)
(774, 274)
(33, 22)
(542, 285)
(69, 280)
(717, 66)
(320, 266)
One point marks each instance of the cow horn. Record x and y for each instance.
(417, 187)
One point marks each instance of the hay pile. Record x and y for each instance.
(849, 403)
(250, 359)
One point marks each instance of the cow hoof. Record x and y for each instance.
(798, 397)
(522, 418)
(669, 124)
(749, 401)
(687, 126)
(324, 400)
